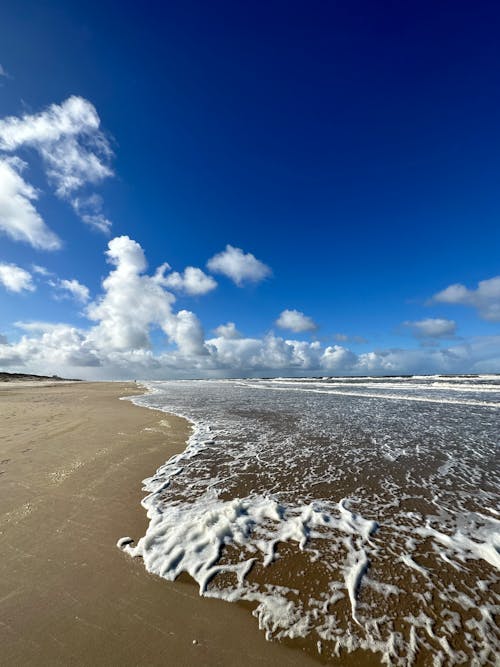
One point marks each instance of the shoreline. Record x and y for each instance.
(72, 461)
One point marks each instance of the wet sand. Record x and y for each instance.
(72, 457)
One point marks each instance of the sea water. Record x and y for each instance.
(353, 513)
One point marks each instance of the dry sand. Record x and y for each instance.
(72, 458)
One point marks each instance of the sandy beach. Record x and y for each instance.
(72, 457)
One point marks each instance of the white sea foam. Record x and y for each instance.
(331, 515)
(380, 394)
(485, 545)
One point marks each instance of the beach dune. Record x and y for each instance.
(72, 457)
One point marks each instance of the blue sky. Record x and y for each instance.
(353, 150)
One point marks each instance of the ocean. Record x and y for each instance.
(351, 513)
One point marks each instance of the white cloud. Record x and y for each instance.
(41, 270)
(74, 150)
(89, 210)
(133, 302)
(117, 341)
(3, 72)
(228, 331)
(296, 321)
(73, 288)
(15, 279)
(239, 266)
(273, 353)
(62, 349)
(51, 347)
(10, 358)
(337, 359)
(18, 217)
(486, 297)
(65, 288)
(39, 326)
(127, 255)
(186, 331)
(480, 355)
(345, 338)
(432, 328)
(254, 353)
(192, 281)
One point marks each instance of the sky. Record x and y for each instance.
(193, 189)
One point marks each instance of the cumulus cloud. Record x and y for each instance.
(19, 219)
(478, 355)
(3, 72)
(273, 353)
(74, 150)
(73, 289)
(117, 341)
(240, 267)
(10, 358)
(66, 350)
(228, 331)
(486, 297)
(133, 302)
(432, 328)
(15, 279)
(295, 321)
(192, 281)
(48, 347)
(186, 331)
(254, 353)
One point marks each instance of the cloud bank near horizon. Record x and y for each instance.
(133, 304)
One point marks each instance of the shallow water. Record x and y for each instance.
(355, 513)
